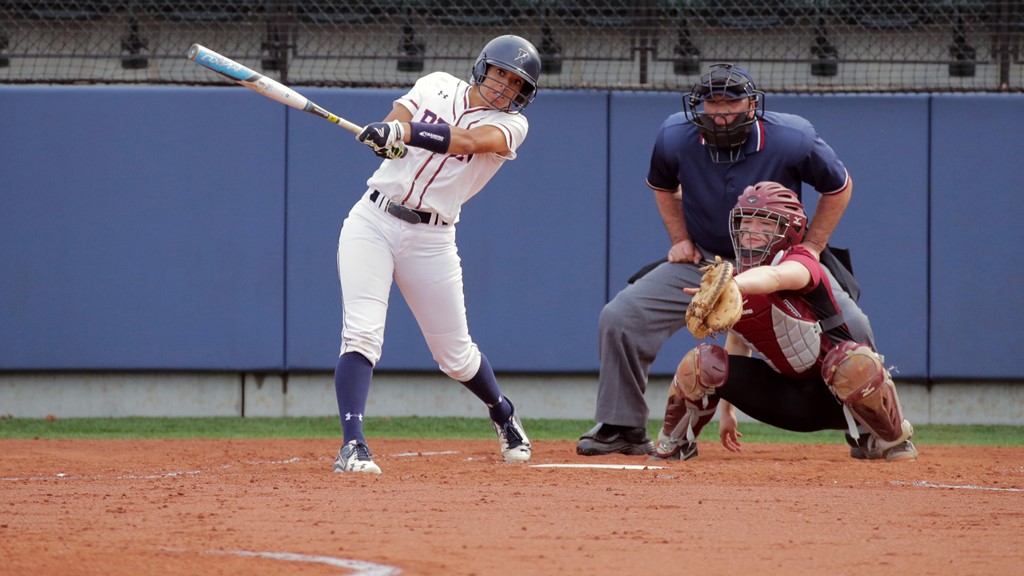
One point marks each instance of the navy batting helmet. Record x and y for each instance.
(724, 82)
(515, 55)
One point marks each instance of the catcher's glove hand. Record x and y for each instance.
(718, 303)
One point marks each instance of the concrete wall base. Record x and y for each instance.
(70, 395)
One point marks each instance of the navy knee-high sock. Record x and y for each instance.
(485, 386)
(352, 378)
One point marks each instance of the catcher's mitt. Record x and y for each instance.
(717, 305)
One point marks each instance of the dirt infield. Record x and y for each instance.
(451, 507)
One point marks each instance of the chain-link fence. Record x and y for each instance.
(789, 45)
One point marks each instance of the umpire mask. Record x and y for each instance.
(724, 83)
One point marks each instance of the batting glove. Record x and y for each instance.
(393, 153)
(381, 135)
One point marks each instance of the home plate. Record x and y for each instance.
(606, 466)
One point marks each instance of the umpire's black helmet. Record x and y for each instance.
(724, 82)
(517, 55)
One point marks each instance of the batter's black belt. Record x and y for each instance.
(406, 214)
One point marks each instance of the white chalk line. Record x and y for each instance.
(361, 567)
(65, 476)
(407, 454)
(926, 484)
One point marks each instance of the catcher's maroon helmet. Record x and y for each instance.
(768, 201)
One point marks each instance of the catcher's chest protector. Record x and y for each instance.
(783, 329)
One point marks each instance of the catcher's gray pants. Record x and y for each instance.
(638, 321)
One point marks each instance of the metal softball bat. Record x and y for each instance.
(266, 86)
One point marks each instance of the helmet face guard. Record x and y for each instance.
(724, 83)
(768, 218)
(755, 247)
(515, 55)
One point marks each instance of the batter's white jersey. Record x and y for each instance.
(437, 182)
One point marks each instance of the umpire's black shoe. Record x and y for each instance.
(609, 439)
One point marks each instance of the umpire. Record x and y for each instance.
(703, 158)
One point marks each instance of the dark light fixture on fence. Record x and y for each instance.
(826, 56)
(132, 46)
(686, 55)
(963, 54)
(412, 51)
(275, 49)
(4, 43)
(550, 52)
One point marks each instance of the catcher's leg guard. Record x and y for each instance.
(689, 408)
(683, 422)
(855, 374)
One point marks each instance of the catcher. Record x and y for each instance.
(781, 306)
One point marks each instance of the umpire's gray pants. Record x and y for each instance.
(637, 322)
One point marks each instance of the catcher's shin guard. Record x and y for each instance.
(683, 422)
(855, 374)
(688, 409)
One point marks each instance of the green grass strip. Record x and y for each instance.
(439, 427)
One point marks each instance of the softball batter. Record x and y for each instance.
(441, 143)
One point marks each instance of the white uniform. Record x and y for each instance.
(376, 247)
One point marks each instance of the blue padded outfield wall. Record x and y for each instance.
(140, 229)
(179, 228)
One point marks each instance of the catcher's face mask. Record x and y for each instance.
(757, 236)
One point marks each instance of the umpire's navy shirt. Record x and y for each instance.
(782, 148)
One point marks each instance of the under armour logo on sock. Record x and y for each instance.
(349, 416)
(500, 400)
